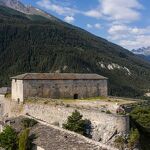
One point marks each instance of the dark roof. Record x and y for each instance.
(58, 76)
(51, 138)
(5, 90)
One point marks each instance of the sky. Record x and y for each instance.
(124, 22)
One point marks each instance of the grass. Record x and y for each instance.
(8, 95)
(79, 102)
(96, 98)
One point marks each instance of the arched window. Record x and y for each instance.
(75, 96)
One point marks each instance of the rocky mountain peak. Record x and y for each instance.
(26, 9)
(142, 51)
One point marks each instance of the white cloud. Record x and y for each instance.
(89, 26)
(130, 37)
(96, 26)
(121, 10)
(93, 13)
(114, 10)
(136, 42)
(121, 30)
(117, 12)
(69, 19)
(59, 9)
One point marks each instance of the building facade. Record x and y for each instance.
(58, 85)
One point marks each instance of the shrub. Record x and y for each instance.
(67, 105)
(133, 138)
(141, 115)
(27, 122)
(77, 124)
(23, 139)
(8, 139)
(119, 142)
(108, 112)
(121, 113)
(46, 102)
(141, 120)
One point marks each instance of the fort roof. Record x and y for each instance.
(50, 137)
(58, 76)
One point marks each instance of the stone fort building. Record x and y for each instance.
(58, 85)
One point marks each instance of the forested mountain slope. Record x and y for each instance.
(32, 43)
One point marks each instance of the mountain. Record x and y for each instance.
(33, 43)
(26, 9)
(143, 52)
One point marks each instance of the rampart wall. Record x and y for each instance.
(104, 126)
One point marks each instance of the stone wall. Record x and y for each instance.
(64, 88)
(104, 126)
(9, 108)
(17, 90)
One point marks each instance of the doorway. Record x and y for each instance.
(75, 96)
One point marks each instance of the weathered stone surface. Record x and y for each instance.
(104, 126)
(59, 88)
(53, 138)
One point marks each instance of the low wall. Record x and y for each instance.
(104, 126)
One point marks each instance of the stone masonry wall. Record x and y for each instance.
(104, 126)
(17, 90)
(64, 88)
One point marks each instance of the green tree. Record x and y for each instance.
(23, 139)
(27, 122)
(8, 139)
(76, 123)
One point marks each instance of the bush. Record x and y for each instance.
(8, 139)
(77, 124)
(67, 105)
(23, 139)
(133, 138)
(121, 113)
(141, 115)
(26, 122)
(108, 112)
(141, 120)
(120, 142)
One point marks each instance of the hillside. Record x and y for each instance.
(33, 43)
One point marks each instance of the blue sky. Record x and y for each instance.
(125, 22)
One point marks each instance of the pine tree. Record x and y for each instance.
(76, 123)
(8, 139)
